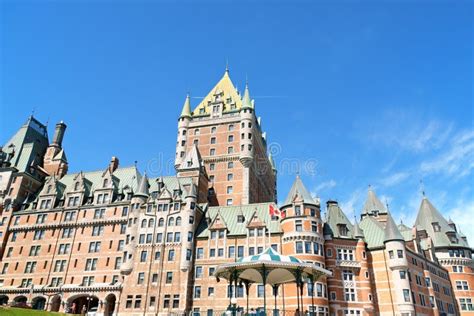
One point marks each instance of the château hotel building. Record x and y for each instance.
(125, 243)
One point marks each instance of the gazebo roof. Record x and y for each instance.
(269, 267)
(271, 256)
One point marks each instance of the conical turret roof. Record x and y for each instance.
(373, 204)
(437, 227)
(246, 101)
(186, 112)
(142, 189)
(299, 190)
(391, 230)
(358, 232)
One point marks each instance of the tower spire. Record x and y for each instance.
(246, 101)
(186, 112)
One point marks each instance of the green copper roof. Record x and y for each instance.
(391, 230)
(299, 190)
(373, 204)
(335, 218)
(142, 188)
(230, 214)
(246, 101)
(428, 218)
(186, 112)
(29, 145)
(373, 232)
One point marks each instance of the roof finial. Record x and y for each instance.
(422, 188)
(135, 163)
(33, 111)
(227, 65)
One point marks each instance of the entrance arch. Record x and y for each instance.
(20, 301)
(38, 303)
(110, 301)
(82, 302)
(55, 303)
(3, 300)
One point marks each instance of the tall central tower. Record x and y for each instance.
(229, 138)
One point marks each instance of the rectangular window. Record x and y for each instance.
(406, 295)
(169, 277)
(141, 278)
(299, 247)
(197, 292)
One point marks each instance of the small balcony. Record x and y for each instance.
(348, 263)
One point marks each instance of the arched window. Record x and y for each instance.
(151, 222)
(144, 223)
(106, 183)
(161, 222)
(171, 221)
(178, 221)
(76, 186)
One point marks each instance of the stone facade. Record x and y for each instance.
(120, 242)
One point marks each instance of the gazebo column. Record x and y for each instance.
(264, 279)
(275, 293)
(247, 290)
(301, 296)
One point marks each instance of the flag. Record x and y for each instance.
(276, 212)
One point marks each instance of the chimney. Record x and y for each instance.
(113, 165)
(59, 134)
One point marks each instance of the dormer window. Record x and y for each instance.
(48, 190)
(452, 238)
(436, 227)
(240, 218)
(106, 183)
(76, 186)
(375, 213)
(343, 231)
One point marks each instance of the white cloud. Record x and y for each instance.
(394, 179)
(406, 130)
(324, 186)
(354, 203)
(458, 159)
(461, 214)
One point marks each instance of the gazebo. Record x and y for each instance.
(272, 268)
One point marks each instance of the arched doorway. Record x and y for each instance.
(3, 300)
(55, 303)
(109, 307)
(80, 303)
(20, 301)
(38, 303)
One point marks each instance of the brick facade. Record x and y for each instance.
(126, 244)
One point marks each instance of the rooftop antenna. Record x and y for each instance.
(386, 204)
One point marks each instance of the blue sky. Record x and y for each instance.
(354, 93)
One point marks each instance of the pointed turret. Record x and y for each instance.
(186, 112)
(373, 205)
(142, 189)
(358, 232)
(391, 231)
(299, 191)
(246, 101)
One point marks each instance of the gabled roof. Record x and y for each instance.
(192, 160)
(391, 231)
(428, 215)
(335, 218)
(373, 204)
(230, 214)
(299, 191)
(224, 86)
